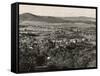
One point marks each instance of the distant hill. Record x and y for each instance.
(32, 17)
(50, 19)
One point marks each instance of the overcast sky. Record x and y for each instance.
(57, 11)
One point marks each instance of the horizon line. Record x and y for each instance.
(55, 16)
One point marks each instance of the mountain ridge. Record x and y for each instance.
(51, 19)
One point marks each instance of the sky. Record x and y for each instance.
(57, 11)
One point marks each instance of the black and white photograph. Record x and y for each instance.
(56, 38)
(50, 38)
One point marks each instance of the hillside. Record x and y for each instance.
(50, 19)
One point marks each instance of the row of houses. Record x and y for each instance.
(61, 42)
